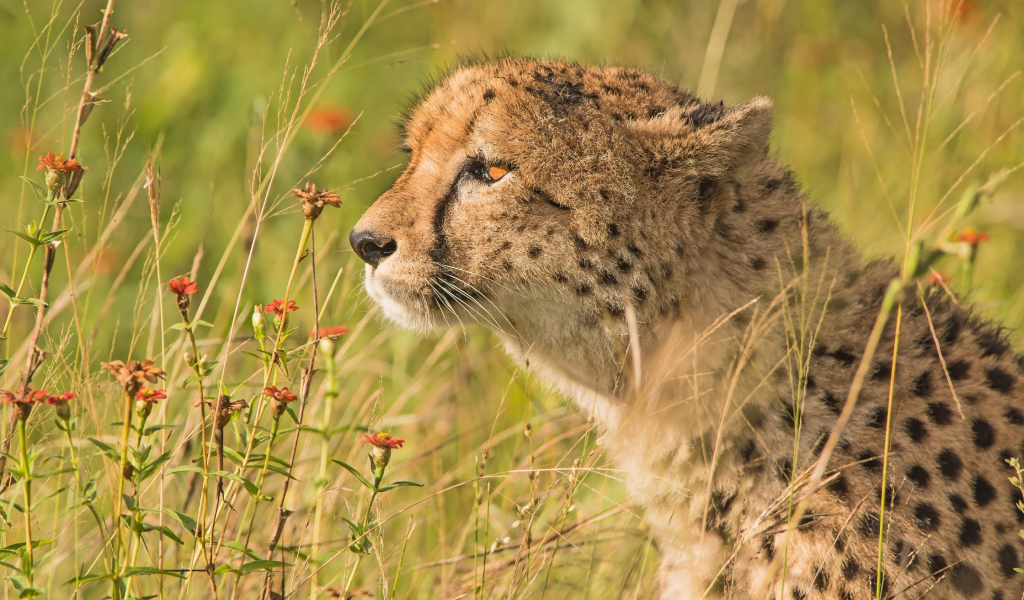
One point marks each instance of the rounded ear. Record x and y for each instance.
(730, 142)
(707, 141)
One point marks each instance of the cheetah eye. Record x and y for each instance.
(496, 172)
(488, 173)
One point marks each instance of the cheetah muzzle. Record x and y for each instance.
(647, 255)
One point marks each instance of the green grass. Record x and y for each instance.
(206, 87)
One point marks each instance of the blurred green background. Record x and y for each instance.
(204, 80)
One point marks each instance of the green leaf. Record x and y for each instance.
(177, 327)
(226, 568)
(27, 238)
(201, 323)
(186, 521)
(354, 472)
(133, 571)
(8, 291)
(50, 236)
(165, 530)
(89, 578)
(238, 547)
(154, 428)
(39, 190)
(106, 449)
(183, 468)
(399, 484)
(263, 565)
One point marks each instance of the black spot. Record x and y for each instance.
(604, 196)
(534, 252)
(583, 289)
(939, 413)
(850, 569)
(919, 475)
(844, 356)
(640, 293)
(959, 505)
(966, 579)
(958, 370)
(883, 371)
(1008, 560)
(586, 264)
(984, 435)
(952, 328)
(1014, 416)
(839, 487)
(970, 532)
(922, 385)
(992, 342)
(896, 552)
(488, 95)
(758, 264)
(767, 225)
(704, 115)
(616, 311)
(916, 429)
(680, 251)
(784, 468)
(874, 581)
(798, 594)
(633, 249)
(999, 380)
(747, 452)
(768, 545)
(608, 279)
(937, 565)
(560, 278)
(832, 403)
(869, 524)
(870, 462)
(613, 229)
(821, 580)
(580, 244)
(506, 265)
(983, 491)
(926, 517)
(878, 417)
(624, 265)
(950, 465)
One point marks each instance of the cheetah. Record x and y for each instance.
(646, 254)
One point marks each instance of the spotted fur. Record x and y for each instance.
(627, 194)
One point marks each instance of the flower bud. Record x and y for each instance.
(190, 359)
(63, 410)
(22, 410)
(259, 322)
(277, 407)
(327, 346)
(143, 409)
(381, 456)
(54, 180)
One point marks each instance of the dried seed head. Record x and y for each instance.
(528, 431)
(313, 200)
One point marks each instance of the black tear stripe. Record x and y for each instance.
(439, 251)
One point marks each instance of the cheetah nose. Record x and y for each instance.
(371, 247)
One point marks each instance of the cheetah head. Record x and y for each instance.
(540, 195)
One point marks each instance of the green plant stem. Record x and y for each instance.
(329, 396)
(259, 491)
(359, 557)
(27, 562)
(125, 434)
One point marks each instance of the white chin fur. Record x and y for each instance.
(415, 318)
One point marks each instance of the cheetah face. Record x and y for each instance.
(544, 188)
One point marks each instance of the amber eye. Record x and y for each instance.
(496, 172)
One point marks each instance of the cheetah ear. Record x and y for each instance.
(730, 142)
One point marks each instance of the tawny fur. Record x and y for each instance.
(628, 196)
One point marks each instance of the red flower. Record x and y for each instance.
(56, 163)
(938, 278)
(63, 398)
(971, 236)
(281, 395)
(147, 395)
(278, 308)
(332, 332)
(328, 121)
(182, 286)
(382, 440)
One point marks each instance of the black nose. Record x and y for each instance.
(371, 247)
